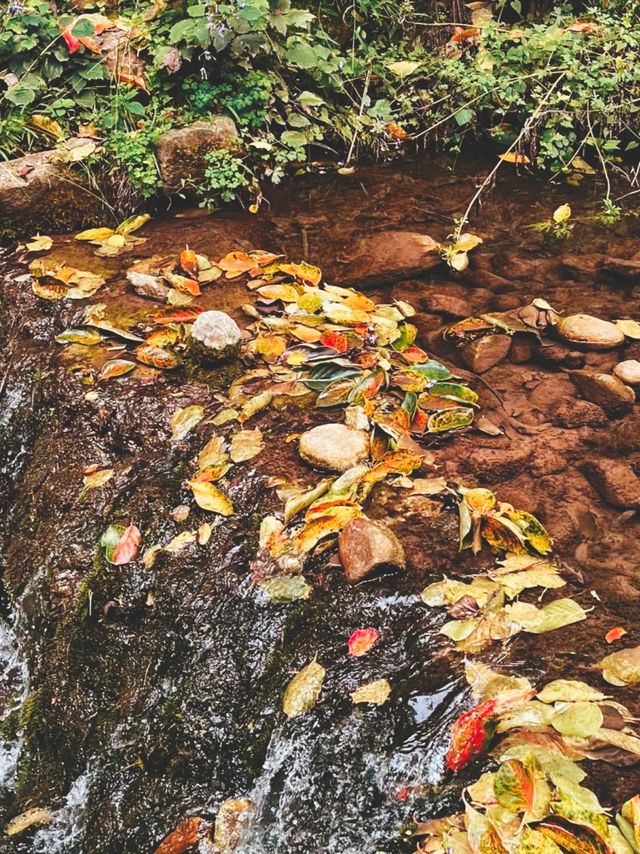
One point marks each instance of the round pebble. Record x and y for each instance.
(590, 332)
(334, 446)
(628, 371)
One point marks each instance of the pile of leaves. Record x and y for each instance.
(532, 800)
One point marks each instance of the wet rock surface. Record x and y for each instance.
(367, 546)
(334, 447)
(154, 694)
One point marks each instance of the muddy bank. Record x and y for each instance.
(153, 694)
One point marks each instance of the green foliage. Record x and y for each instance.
(224, 176)
(336, 78)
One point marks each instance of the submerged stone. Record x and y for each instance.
(365, 546)
(335, 447)
(214, 337)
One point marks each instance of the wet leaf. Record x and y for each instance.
(514, 157)
(270, 347)
(536, 535)
(303, 691)
(189, 263)
(246, 444)
(514, 786)
(148, 286)
(471, 734)
(127, 546)
(115, 368)
(49, 290)
(557, 615)
(630, 328)
(255, 404)
(133, 223)
(230, 825)
(183, 284)
(185, 836)
(95, 235)
(184, 420)
(375, 693)
(306, 273)
(285, 588)
(213, 453)
(157, 357)
(454, 391)
(209, 497)
(361, 641)
(110, 539)
(578, 720)
(622, 667)
(87, 337)
(39, 243)
(573, 838)
(562, 214)
(177, 544)
(615, 634)
(450, 419)
(569, 691)
(97, 478)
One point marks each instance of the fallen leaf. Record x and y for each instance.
(189, 263)
(97, 478)
(230, 824)
(34, 817)
(133, 223)
(622, 667)
(514, 157)
(375, 693)
(209, 497)
(285, 588)
(568, 691)
(361, 641)
(578, 720)
(184, 420)
(86, 337)
(185, 836)
(204, 533)
(302, 692)
(39, 243)
(615, 634)
(562, 214)
(630, 328)
(245, 445)
(127, 546)
(115, 368)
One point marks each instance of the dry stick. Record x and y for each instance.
(602, 160)
(487, 180)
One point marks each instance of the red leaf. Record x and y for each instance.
(335, 340)
(185, 836)
(128, 545)
(71, 41)
(362, 640)
(615, 634)
(471, 734)
(178, 315)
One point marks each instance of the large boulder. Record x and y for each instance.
(40, 193)
(181, 153)
(387, 257)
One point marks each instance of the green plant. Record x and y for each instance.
(610, 213)
(224, 176)
(246, 96)
(558, 226)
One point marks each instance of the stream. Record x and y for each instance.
(131, 697)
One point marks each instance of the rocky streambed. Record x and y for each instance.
(137, 696)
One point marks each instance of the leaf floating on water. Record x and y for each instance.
(183, 838)
(361, 641)
(285, 588)
(115, 368)
(40, 243)
(557, 615)
(615, 634)
(303, 691)
(622, 667)
(127, 546)
(375, 693)
(87, 337)
(97, 478)
(184, 420)
(245, 445)
(110, 539)
(209, 497)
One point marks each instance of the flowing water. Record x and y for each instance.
(124, 712)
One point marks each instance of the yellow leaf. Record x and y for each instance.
(133, 223)
(95, 234)
(40, 243)
(459, 261)
(209, 497)
(562, 213)
(98, 478)
(514, 157)
(184, 420)
(377, 693)
(303, 691)
(47, 125)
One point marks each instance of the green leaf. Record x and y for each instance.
(578, 720)
(310, 99)
(294, 138)
(285, 588)
(514, 786)
(464, 116)
(20, 95)
(302, 55)
(110, 539)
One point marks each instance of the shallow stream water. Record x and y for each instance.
(125, 712)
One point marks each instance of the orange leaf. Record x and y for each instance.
(189, 262)
(178, 315)
(361, 641)
(359, 302)
(462, 35)
(236, 263)
(127, 546)
(514, 157)
(306, 273)
(397, 132)
(615, 634)
(185, 836)
(335, 340)
(414, 355)
(90, 44)
(157, 357)
(183, 284)
(270, 347)
(132, 80)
